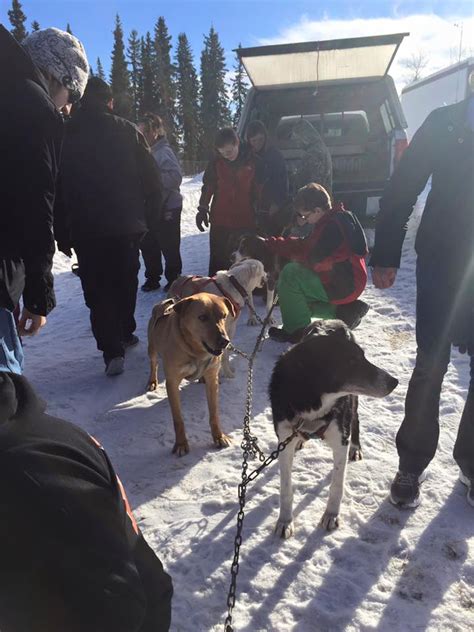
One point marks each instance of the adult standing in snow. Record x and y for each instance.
(73, 558)
(110, 193)
(443, 149)
(271, 178)
(165, 239)
(228, 197)
(38, 79)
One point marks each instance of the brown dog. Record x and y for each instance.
(190, 337)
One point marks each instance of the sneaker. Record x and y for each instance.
(405, 489)
(352, 313)
(114, 366)
(150, 285)
(469, 483)
(280, 335)
(131, 342)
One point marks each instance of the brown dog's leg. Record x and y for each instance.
(153, 379)
(211, 377)
(181, 445)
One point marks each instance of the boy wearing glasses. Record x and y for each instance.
(326, 272)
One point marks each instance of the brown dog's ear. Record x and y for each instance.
(230, 307)
(180, 306)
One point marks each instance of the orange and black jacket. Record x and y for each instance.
(71, 555)
(335, 251)
(229, 189)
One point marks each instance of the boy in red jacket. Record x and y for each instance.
(327, 270)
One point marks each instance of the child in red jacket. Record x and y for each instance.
(229, 189)
(327, 270)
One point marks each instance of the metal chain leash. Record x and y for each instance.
(250, 450)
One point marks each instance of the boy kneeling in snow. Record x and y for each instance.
(327, 272)
(72, 556)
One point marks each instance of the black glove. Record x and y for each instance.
(202, 217)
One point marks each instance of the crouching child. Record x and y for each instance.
(326, 272)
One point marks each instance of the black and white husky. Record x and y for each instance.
(314, 389)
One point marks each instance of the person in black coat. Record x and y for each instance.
(38, 79)
(72, 556)
(271, 178)
(443, 149)
(110, 194)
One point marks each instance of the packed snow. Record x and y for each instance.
(383, 569)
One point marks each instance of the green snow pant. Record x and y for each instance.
(302, 297)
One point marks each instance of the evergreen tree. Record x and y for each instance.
(119, 77)
(149, 93)
(166, 74)
(100, 70)
(134, 59)
(239, 89)
(187, 100)
(17, 20)
(214, 103)
(35, 26)
(68, 29)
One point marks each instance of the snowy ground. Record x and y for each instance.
(382, 570)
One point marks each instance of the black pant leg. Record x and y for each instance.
(169, 238)
(464, 446)
(128, 286)
(151, 251)
(97, 260)
(417, 438)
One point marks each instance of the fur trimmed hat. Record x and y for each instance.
(62, 55)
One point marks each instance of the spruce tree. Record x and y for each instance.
(239, 89)
(68, 29)
(17, 20)
(149, 94)
(119, 77)
(187, 100)
(214, 103)
(35, 26)
(134, 61)
(100, 70)
(166, 74)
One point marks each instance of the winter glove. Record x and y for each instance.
(202, 217)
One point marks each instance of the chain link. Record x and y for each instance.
(250, 450)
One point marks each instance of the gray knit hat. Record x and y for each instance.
(62, 55)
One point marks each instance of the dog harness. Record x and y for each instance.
(200, 282)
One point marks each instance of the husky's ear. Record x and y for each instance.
(230, 307)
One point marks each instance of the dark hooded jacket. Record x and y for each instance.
(31, 132)
(72, 557)
(109, 183)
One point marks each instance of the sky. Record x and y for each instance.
(253, 22)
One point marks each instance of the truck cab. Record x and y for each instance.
(337, 91)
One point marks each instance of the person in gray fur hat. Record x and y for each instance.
(38, 79)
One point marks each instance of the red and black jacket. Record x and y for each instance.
(229, 188)
(335, 251)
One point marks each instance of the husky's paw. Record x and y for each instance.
(152, 386)
(329, 521)
(284, 529)
(252, 322)
(355, 453)
(272, 322)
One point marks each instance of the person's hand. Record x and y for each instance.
(383, 278)
(30, 324)
(202, 217)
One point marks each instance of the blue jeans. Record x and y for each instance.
(11, 352)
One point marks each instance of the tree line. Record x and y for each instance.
(146, 75)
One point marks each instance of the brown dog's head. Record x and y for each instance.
(202, 321)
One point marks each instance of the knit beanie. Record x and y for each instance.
(61, 55)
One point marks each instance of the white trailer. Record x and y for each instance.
(444, 87)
